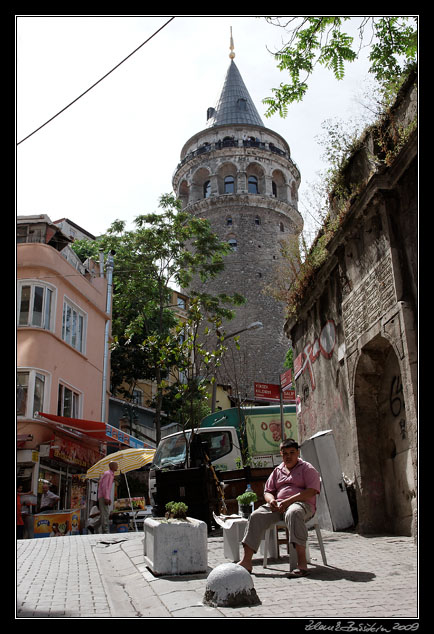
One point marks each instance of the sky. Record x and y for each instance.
(113, 152)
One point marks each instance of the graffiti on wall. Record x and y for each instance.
(309, 420)
(396, 403)
(323, 345)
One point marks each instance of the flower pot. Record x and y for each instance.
(175, 547)
(245, 510)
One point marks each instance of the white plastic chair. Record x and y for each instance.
(312, 523)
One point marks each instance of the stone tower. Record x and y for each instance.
(239, 175)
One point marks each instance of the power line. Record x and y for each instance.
(97, 82)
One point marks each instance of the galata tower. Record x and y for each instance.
(239, 175)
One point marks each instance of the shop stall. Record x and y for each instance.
(58, 451)
(56, 523)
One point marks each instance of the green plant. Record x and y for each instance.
(176, 510)
(247, 498)
(322, 41)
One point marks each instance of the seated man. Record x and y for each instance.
(290, 493)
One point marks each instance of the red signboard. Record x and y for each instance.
(286, 379)
(271, 392)
(298, 364)
(288, 395)
(72, 452)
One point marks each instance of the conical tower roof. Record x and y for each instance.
(235, 106)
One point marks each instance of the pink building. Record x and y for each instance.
(62, 361)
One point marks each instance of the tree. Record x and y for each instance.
(166, 249)
(321, 40)
(195, 354)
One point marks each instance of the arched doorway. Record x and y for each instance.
(386, 488)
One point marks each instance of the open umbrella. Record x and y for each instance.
(127, 459)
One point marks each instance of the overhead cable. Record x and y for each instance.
(97, 82)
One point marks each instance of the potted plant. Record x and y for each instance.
(176, 510)
(245, 502)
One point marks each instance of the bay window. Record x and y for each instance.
(30, 392)
(35, 305)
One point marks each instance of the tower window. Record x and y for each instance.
(242, 104)
(274, 186)
(282, 227)
(233, 244)
(207, 189)
(229, 221)
(253, 185)
(257, 220)
(229, 185)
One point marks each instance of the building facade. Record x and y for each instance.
(240, 176)
(62, 319)
(354, 332)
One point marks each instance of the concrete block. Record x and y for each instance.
(175, 547)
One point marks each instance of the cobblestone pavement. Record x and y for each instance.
(104, 576)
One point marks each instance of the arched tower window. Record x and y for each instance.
(229, 184)
(279, 185)
(183, 193)
(253, 185)
(229, 221)
(207, 189)
(199, 182)
(257, 220)
(233, 243)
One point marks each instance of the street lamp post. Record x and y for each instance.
(253, 326)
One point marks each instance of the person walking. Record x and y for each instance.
(104, 495)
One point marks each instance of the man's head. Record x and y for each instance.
(290, 452)
(113, 466)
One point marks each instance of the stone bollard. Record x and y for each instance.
(230, 585)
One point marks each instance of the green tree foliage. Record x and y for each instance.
(321, 40)
(165, 250)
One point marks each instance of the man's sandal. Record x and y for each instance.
(299, 572)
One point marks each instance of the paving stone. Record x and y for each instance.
(81, 577)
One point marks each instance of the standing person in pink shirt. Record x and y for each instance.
(105, 495)
(290, 494)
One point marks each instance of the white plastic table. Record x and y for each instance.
(233, 532)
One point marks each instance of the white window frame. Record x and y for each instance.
(33, 375)
(77, 400)
(79, 316)
(48, 310)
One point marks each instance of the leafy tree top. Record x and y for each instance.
(321, 40)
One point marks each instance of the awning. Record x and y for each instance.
(94, 429)
(22, 439)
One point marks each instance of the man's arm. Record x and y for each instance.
(298, 497)
(271, 500)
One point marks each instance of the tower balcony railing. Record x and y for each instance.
(236, 143)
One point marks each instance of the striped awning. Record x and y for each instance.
(95, 429)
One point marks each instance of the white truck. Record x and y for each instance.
(243, 445)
